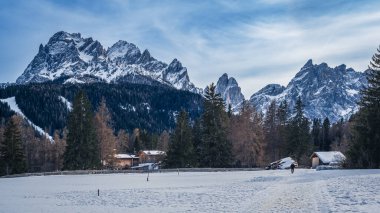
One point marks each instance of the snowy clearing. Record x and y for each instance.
(246, 191)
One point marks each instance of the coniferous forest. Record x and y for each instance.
(195, 131)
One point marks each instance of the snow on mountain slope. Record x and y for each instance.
(325, 91)
(66, 102)
(14, 107)
(84, 60)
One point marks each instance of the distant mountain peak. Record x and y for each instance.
(309, 63)
(175, 66)
(230, 91)
(85, 60)
(325, 91)
(145, 57)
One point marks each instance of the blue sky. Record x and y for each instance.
(257, 42)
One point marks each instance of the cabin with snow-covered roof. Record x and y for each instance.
(331, 158)
(151, 156)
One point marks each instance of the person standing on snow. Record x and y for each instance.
(292, 166)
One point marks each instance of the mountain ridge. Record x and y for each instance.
(325, 91)
(70, 58)
(68, 54)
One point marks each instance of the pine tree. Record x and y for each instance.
(181, 150)
(282, 115)
(197, 141)
(316, 132)
(326, 139)
(365, 144)
(271, 132)
(2, 165)
(82, 151)
(105, 136)
(215, 147)
(11, 152)
(136, 141)
(298, 139)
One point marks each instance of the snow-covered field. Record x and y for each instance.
(254, 191)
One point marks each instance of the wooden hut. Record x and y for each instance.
(124, 161)
(151, 156)
(332, 158)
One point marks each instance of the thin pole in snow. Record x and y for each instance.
(147, 178)
(98, 192)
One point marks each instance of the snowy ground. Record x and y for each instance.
(257, 191)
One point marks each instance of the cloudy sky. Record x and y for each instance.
(257, 42)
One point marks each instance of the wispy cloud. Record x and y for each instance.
(256, 42)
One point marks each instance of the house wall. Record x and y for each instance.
(125, 163)
(314, 162)
(151, 158)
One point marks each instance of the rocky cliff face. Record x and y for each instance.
(230, 91)
(325, 91)
(84, 60)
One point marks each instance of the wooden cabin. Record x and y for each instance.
(332, 158)
(125, 161)
(151, 156)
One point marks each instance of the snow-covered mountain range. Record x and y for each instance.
(325, 91)
(84, 60)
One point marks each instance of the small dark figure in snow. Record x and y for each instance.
(292, 166)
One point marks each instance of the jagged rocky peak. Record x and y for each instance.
(309, 63)
(230, 91)
(223, 80)
(64, 36)
(84, 60)
(177, 75)
(41, 48)
(124, 50)
(325, 91)
(145, 57)
(175, 66)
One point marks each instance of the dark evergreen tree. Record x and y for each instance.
(181, 150)
(365, 144)
(271, 132)
(282, 115)
(316, 132)
(339, 132)
(11, 151)
(229, 110)
(326, 139)
(197, 141)
(216, 148)
(136, 141)
(83, 151)
(298, 138)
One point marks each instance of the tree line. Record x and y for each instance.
(89, 141)
(248, 139)
(147, 107)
